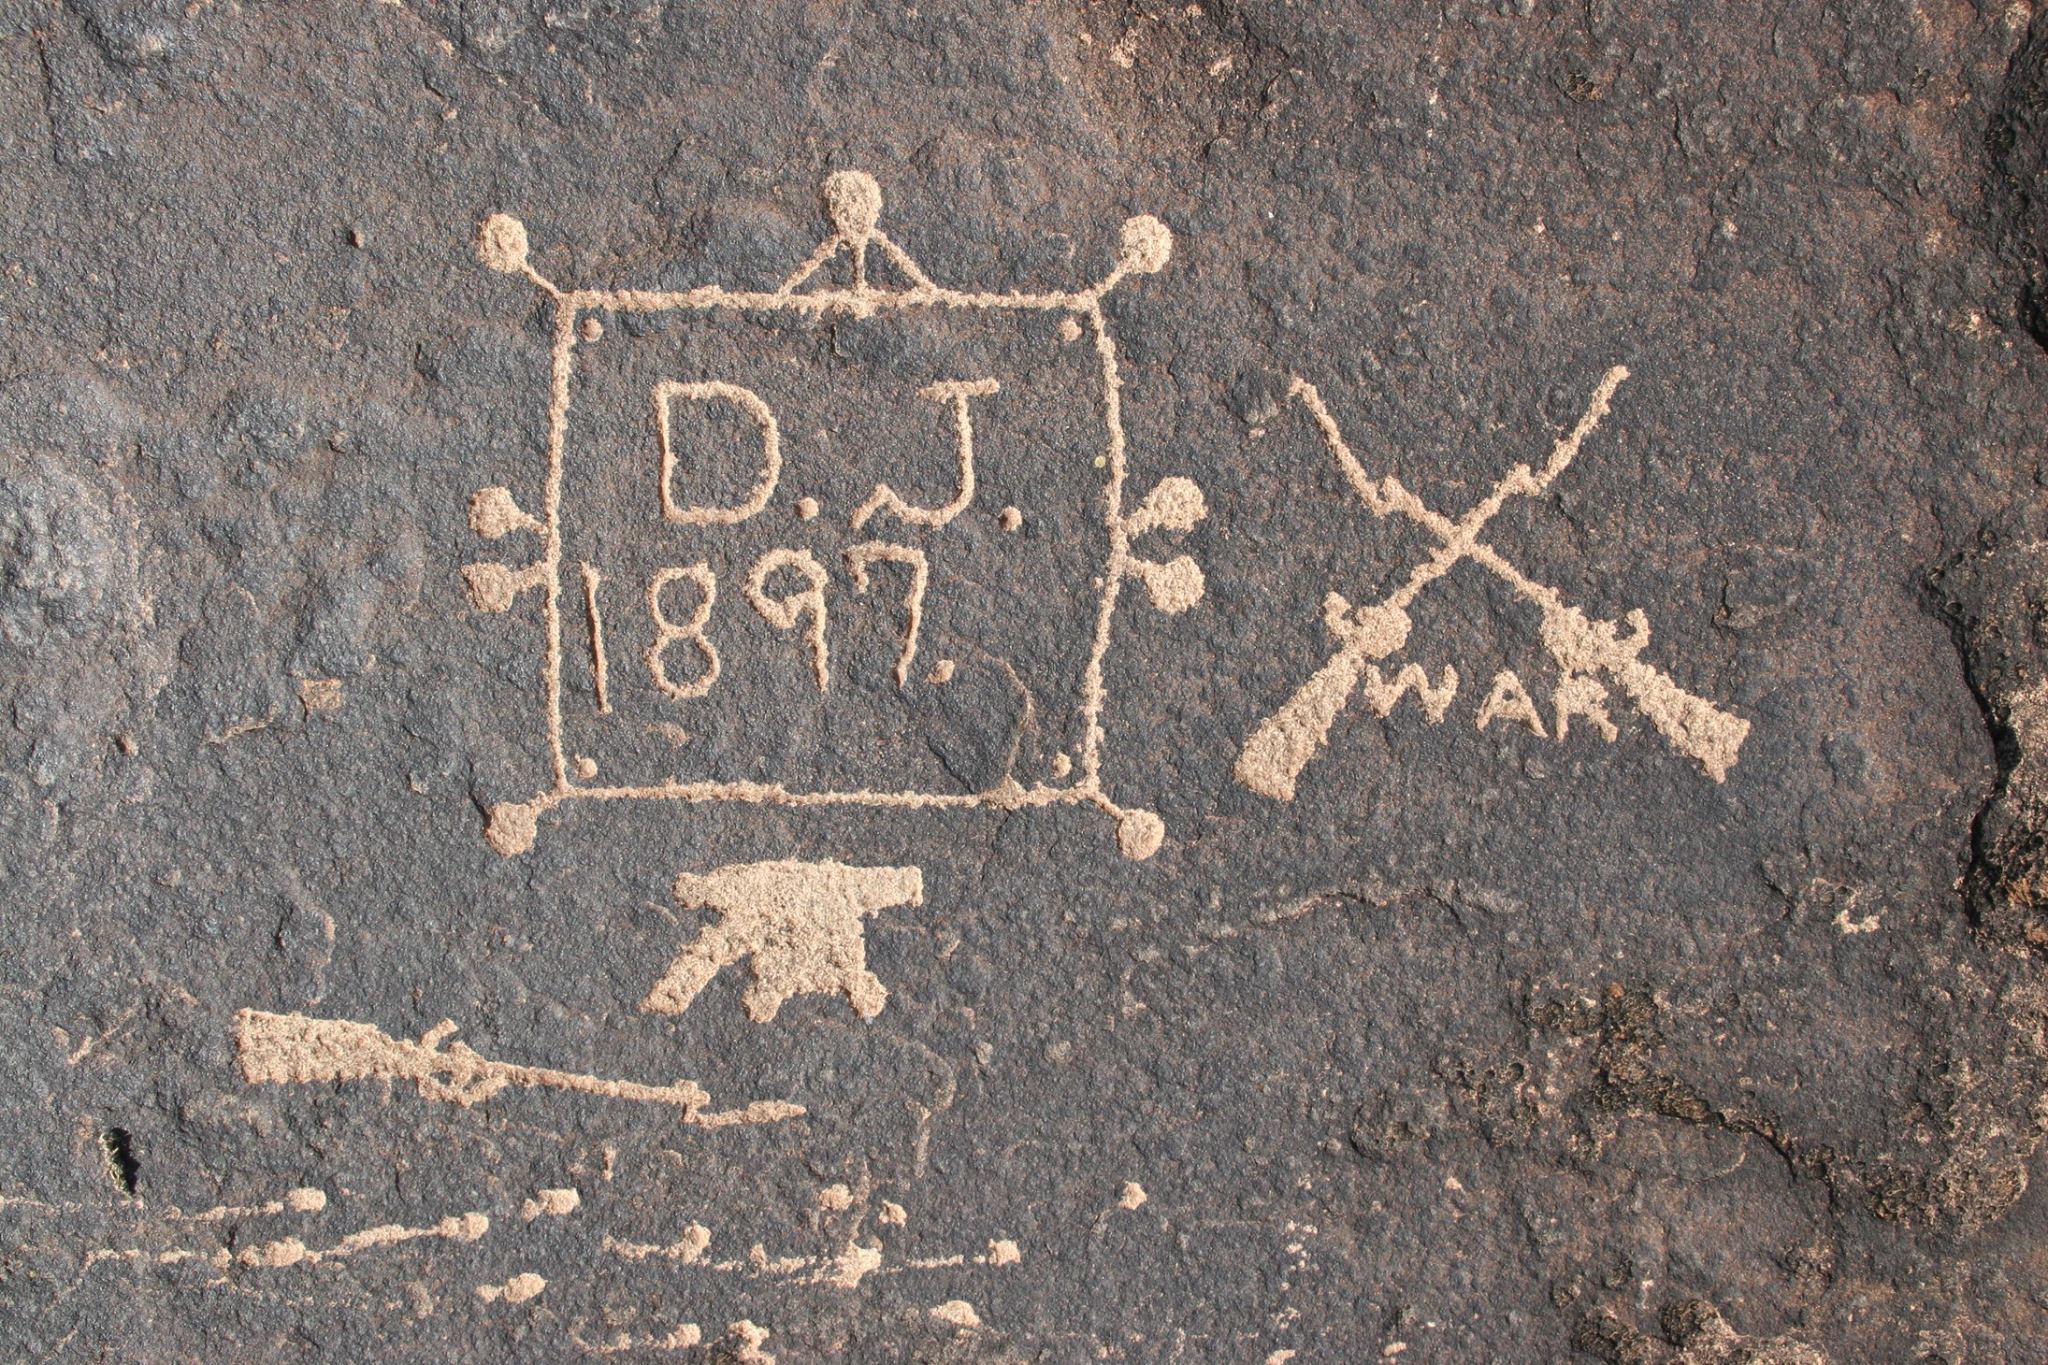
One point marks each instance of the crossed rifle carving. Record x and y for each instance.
(1282, 744)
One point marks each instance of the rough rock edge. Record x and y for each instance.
(1695, 1334)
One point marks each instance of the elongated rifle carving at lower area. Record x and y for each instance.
(286, 1049)
(1282, 744)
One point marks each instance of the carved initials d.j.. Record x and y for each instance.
(749, 402)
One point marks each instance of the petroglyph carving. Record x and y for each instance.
(293, 1049)
(687, 1249)
(493, 587)
(783, 612)
(749, 1338)
(800, 923)
(493, 515)
(681, 1337)
(885, 499)
(291, 1251)
(1173, 586)
(1580, 695)
(667, 632)
(1383, 696)
(600, 664)
(1174, 504)
(852, 202)
(304, 1199)
(501, 244)
(861, 556)
(747, 401)
(1282, 744)
(552, 1203)
(844, 1269)
(1509, 700)
(521, 1287)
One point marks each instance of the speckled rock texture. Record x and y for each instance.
(1597, 446)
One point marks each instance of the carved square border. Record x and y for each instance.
(852, 202)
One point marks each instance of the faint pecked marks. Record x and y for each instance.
(292, 1251)
(519, 1289)
(60, 553)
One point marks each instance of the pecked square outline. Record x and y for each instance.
(852, 201)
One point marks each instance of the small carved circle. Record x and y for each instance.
(853, 201)
(1176, 504)
(1139, 833)
(493, 514)
(501, 243)
(1174, 586)
(1384, 628)
(1147, 244)
(492, 587)
(512, 828)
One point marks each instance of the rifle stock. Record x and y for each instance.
(1282, 745)
(1695, 727)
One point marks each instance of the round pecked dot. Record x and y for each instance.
(1147, 244)
(853, 201)
(501, 243)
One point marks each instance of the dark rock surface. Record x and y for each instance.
(1484, 1046)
